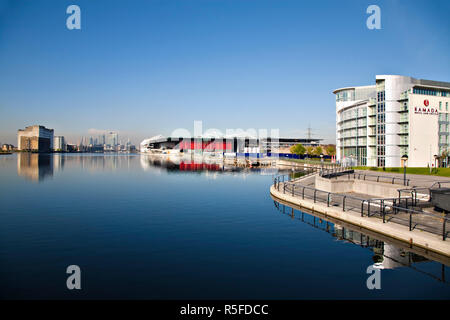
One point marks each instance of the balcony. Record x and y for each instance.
(404, 118)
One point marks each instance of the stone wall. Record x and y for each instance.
(371, 188)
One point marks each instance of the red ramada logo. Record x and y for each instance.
(426, 103)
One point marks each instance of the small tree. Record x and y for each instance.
(309, 151)
(331, 150)
(443, 157)
(298, 149)
(318, 151)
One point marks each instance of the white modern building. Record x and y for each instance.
(59, 143)
(377, 124)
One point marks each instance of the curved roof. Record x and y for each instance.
(355, 87)
(152, 139)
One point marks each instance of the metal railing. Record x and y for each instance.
(378, 178)
(421, 195)
(349, 235)
(396, 210)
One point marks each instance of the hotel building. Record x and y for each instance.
(377, 124)
(35, 138)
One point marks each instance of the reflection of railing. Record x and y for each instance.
(356, 238)
(388, 209)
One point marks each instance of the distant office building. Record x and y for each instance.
(35, 138)
(112, 139)
(71, 147)
(377, 124)
(7, 147)
(112, 142)
(59, 143)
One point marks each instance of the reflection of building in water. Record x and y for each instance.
(385, 255)
(34, 166)
(96, 162)
(188, 163)
(58, 162)
(193, 166)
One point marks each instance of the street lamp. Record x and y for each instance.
(436, 157)
(321, 161)
(404, 160)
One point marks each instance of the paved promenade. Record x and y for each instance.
(427, 230)
(418, 180)
(416, 237)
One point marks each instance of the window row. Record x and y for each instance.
(432, 92)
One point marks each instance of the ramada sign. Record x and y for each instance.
(426, 109)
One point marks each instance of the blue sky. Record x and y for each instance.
(149, 67)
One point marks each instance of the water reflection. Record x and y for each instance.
(37, 166)
(34, 166)
(385, 255)
(198, 164)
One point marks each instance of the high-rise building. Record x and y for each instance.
(377, 124)
(112, 139)
(35, 138)
(59, 144)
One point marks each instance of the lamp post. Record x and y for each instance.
(436, 157)
(404, 160)
(321, 160)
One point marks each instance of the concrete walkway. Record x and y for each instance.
(418, 180)
(416, 237)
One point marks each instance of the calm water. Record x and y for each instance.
(145, 229)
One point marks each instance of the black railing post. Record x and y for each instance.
(328, 199)
(284, 187)
(410, 221)
(343, 203)
(293, 188)
(303, 193)
(362, 208)
(384, 210)
(443, 229)
(368, 208)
